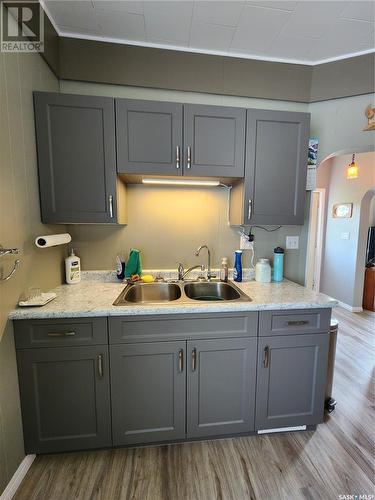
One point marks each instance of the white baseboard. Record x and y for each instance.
(17, 478)
(350, 308)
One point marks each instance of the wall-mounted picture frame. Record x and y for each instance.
(342, 210)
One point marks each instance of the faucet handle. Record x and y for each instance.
(180, 271)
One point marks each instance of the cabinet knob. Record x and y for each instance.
(194, 359)
(250, 209)
(111, 206)
(61, 334)
(189, 157)
(266, 357)
(181, 360)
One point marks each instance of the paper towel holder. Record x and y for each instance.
(17, 262)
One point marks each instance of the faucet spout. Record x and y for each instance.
(209, 273)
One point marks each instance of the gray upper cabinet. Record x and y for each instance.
(148, 387)
(76, 158)
(214, 141)
(221, 386)
(65, 398)
(149, 137)
(291, 380)
(274, 188)
(276, 166)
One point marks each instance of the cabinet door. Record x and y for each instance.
(149, 137)
(221, 386)
(291, 380)
(214, 141)
(65, 398)
(148, 384)
(276, 167)
(76, 158)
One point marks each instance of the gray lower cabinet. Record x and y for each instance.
(291, 380)
(76, 158)
(221, 386)
(214, 141)
(148, 387)
(65, 398)
(149, 137)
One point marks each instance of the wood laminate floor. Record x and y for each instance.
(336, 459)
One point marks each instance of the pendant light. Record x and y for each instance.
(352, 170)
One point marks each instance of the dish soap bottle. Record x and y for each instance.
(224, 269)
(72, 269)
(237, 271)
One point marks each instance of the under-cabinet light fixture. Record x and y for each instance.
(180, 182)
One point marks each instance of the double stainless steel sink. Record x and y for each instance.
(183, 292)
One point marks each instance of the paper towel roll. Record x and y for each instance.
(52, 240)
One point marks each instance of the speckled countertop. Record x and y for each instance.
(95, 295)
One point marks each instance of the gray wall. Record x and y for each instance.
(19, 224)
(87, 60)
(343, 260)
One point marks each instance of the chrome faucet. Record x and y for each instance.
(182, 273)
(209, 274)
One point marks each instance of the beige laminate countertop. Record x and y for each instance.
(95, 298)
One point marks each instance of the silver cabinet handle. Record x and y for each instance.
(298, 322)
(194, 359)
(181, 360)
(177, 156)
(266, 358)
(250, 208)
(61, 334)
(188, 157)
(111, 206)
(100, 365)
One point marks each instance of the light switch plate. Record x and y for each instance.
(345, 236)
(292, 242)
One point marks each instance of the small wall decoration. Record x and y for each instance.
(313, 152)
(342, 210)
(370, 114)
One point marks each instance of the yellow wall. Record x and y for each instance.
(19, 224)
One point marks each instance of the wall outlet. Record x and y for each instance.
(245, 244)
(345, 236)
(292, 242)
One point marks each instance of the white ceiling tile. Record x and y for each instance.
(292, 47)
(210, 36)
(257, 29)
(132, 7)
(77, 14)
(218, 12)
(364, 11)
(313, 19)
(124, 26)
(281, 5)
(168, 20)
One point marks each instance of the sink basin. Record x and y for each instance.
(211, 291)
(145, 293)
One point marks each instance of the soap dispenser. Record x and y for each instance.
(72, 269)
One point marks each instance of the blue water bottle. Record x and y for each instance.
(237, 271)
(278, 264)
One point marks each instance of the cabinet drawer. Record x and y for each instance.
(181, 327)
(60, 332)
(296, 321)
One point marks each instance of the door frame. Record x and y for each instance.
(314, 267)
